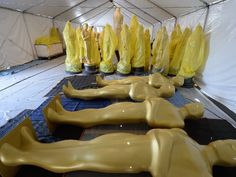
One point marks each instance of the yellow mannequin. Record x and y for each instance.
(195, 53)
(117, 22)
(133, 31)
(137, 91)
(124, 66)
(156, 44)
(155, 80)
(147, 49)
(101, 41)
(156, 112)
(174, 40)
(86, 34)
(139, 50)
(109, 46)
(162, 59)
(162, 152)
(179, 52)
(80, 47)
(72, 61)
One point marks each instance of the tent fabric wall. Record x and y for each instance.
(218, 79)
(193, 19)
(15, 46)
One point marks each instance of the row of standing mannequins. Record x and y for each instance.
(183, 54)
(168, 152)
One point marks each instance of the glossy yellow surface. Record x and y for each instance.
(139, 49)
(162, 152)
(156, 112)
(156, 80)
(109, 45)
(124, 65)
(156, 44)
(13, 138)
(72, 61)
(137, 91)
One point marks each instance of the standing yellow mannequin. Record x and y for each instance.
(100, 40)
(72, 61)
(179, 52)
(96, 50)
(147, 49)
(117, 22)
(133, 31)
(194, 55)
(86, 34)
(156, 44)
(139, 52)
(109, 45)
(124, 65)
(174, 40)
(162, 152)
(162, 57)
(80, 47)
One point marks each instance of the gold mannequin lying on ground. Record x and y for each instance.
(155, 80)
(138, 91)
(162, 152)
(156, 112)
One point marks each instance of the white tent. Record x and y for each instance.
(22, 21)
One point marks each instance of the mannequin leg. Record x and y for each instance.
(125, 81)
(125, 112)
(118, 91)
(116, 153)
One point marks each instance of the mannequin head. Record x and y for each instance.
(85, 26)
(194, 110)
(225, 152)
(177, 81)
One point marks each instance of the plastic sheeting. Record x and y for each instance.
(218, 78)
(15, 46)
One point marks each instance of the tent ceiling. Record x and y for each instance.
(80, 11)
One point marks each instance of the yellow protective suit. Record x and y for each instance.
(194, 54)
(174, 40)
(139, 53)
(110, 43)
(53, 38)
(80, 47)
(124, 65)
(162, 59)
(133, 30)
(72, 61)
(156, 44)
(179, 52)
(147, 49)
